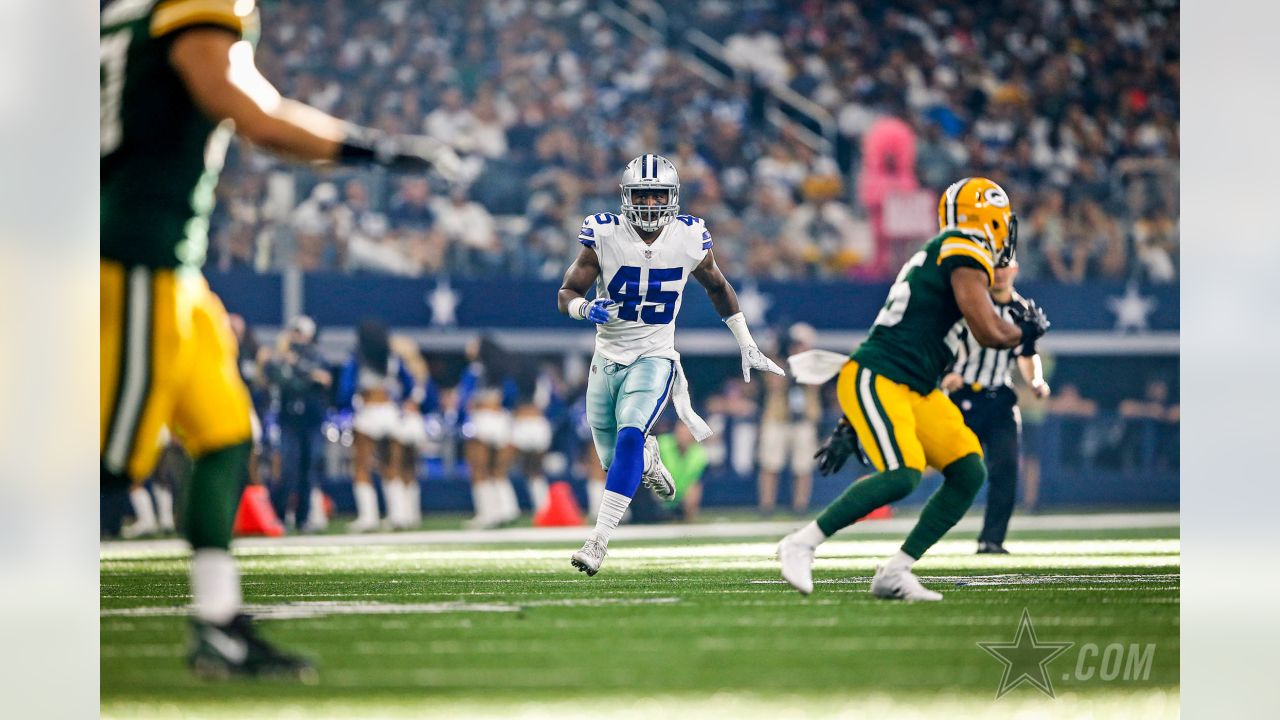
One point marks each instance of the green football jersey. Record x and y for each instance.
(916, 334)
(160, 156)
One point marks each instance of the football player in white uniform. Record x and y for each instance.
(639, 264)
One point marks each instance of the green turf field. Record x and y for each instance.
(667, 629)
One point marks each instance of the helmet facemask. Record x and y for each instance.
(1009, 252)
(645, 216)
(648, 173)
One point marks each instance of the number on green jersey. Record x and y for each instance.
(900, 294)
(112, 53)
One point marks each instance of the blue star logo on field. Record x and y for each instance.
(1131, 309)
(753, 303)
(1025, 659)
(444, 302)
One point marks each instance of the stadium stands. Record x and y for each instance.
(1072, 106)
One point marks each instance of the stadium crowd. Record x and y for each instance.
(1071, 104)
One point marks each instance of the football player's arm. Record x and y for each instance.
(723, 297)
(1033, 372)
(725, 301)
(971, 288)
(217, 68)
(571, 299)
(953, 380)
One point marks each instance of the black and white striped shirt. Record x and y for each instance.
(983, 367)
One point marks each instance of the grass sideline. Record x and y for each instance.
(676, 628)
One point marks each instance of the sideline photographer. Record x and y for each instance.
(301, 386)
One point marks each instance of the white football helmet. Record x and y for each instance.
(650, 172)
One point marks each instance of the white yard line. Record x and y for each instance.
(326, 608)
(519, 536)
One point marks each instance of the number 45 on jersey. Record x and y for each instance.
(653, 306)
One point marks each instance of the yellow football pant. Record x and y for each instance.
(899, 427)
(168, 358)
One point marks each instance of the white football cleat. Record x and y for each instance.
(482, 522)
(139, 529)
(900, 584)
(656, 477)
(797, 563)
(363, 526)
(589, 558)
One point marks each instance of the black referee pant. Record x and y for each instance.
(992, 414)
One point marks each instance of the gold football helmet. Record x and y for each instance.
(980, 207)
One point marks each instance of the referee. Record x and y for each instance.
(980, 384)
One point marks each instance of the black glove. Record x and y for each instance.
(1030, 318)
(405, 153)
(842, 443)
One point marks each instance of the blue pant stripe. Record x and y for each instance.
(662, 400)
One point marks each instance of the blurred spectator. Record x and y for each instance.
(1155, 239)
(413, 223)
(789, 429)
(687, 461)
(732, 414)
(489, 132)
(1069, 401)
(940, 160)
(411, 206)
(823, 233)
(760, 53)
(1153, 405)
(469, 230)
(451, 122)
(1046, 231)
(1108, 240)
(1146, 432)
(314, 224)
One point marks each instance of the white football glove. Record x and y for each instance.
(390, 149)
(753, 358)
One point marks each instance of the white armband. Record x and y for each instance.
(738, 326)
(577, 308)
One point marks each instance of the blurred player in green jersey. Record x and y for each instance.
(177, 81)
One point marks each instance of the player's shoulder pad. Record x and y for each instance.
(958, 249)
(595, 227)
(172, 15)
(700, 235)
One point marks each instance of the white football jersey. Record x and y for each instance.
(646, 282)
